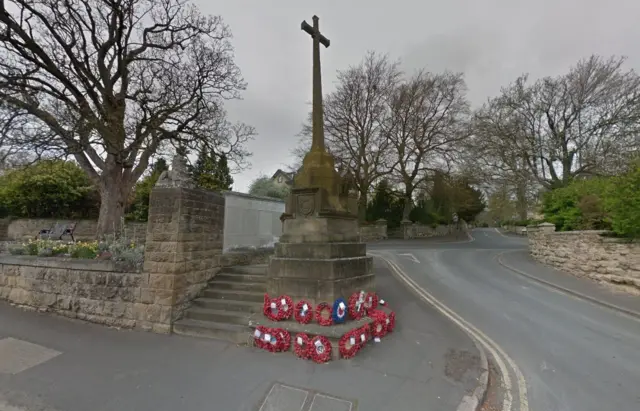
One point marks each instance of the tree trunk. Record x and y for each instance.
(114, 192)
(362, 206)
(408, 204)
(521, 201)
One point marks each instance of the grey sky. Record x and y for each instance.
(491, 41)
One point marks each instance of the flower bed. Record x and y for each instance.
(120, 250)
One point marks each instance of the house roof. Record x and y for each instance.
(288, 176)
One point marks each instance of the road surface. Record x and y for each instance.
(573, 355)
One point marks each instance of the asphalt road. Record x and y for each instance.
(573, 355)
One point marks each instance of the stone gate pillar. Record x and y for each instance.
(183, 247)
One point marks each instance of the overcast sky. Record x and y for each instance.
(491, 41)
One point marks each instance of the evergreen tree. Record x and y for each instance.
(223, 174)
(211, 172)
(385, 204)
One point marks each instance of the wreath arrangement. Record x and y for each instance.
(320, 349)
(339, 311)
(277, 309)
(370, 302)
(356, 306)
(258, 336)
(379, 325)
(272, 339)
(271, 308)
(302, 346)
(284, 340)
(348, 344)
(321, 317)
(303, 312)
(391, 321)
(286, 308)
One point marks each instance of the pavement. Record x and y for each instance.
(48, 363)
(560, 348)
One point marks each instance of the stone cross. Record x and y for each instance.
(317, 114)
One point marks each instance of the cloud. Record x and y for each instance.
(492, 42)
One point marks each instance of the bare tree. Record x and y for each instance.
(353, 118)
(426, 126)
(114, 81)
(583, 123)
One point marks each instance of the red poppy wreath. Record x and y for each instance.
(301, 346)
(320, 349)
(303, 312)
(348, 344)
(323, 314)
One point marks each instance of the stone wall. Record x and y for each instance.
(26, 228)
(374, 231)
(515, 229)
(184, 245)
(414, 230)
(251, 221)
(95, 291)
(586, 254)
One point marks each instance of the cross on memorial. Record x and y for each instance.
(317, 143)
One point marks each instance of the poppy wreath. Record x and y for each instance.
(258, 336)
(303, 312)
(391, 321)
(379, 325)
(285, 310)
(283, 339)
(355, 306)
(302, 346)
(271, 308)
(339, 311)
(348, 344)
(269, 339)
(362, 336)
(370, 302)
(320, 349)
(321, 319)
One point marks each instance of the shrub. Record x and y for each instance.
(597, 204)
(623, 204)
(49, 188)
(579, 206)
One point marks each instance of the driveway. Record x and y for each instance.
(561, 352)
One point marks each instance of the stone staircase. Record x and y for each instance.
(224, 309)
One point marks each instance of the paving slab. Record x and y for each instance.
(427, 363)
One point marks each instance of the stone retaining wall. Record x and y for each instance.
(374, 231)
(414, 230)
(586, 254)
(96, 291)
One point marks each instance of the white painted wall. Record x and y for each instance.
(251, 221)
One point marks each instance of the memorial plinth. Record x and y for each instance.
(319, 256)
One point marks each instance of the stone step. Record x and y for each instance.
(218, 316)
(259, 269)
(240, 278)
(229, 305)
(238, 334)
(216, 284)
(235, 295)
